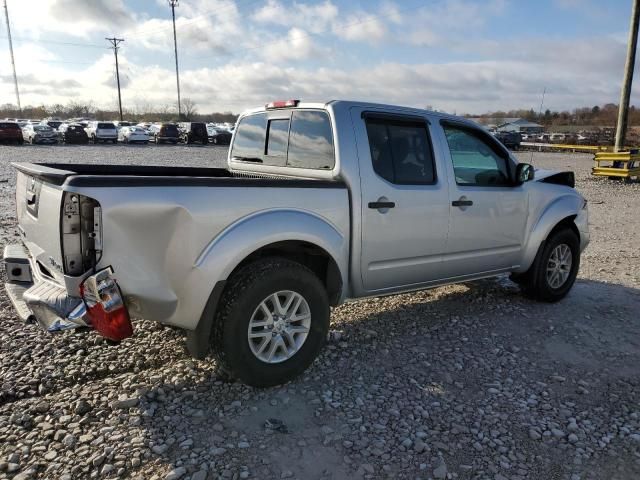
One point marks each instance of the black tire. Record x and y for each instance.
(534, 282)
(245, 290)
(21, 142)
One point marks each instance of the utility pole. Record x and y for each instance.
(623, 108)
(174, 4)
(13, 63)
(115, 42)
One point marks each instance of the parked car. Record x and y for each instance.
(72, 133)
(218, 136)
(10, 132)
(39, 134)
(321, 202)
(102, 132)
(510, 140)
(55, 124)
(193, 132)
(165, 133)
(133, 135)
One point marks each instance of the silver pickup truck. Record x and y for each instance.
(321, 202)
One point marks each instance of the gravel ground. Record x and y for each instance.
(469, 381)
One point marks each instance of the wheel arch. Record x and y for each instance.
(292, 234)
(559, 214)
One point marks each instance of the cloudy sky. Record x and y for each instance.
(464, 56)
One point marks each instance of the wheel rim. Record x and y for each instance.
(279, 326)
(559, 265)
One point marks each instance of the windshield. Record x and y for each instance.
(41, 128)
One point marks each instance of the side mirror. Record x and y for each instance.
(524, 173)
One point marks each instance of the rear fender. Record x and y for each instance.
(249, 234)
(566, 206)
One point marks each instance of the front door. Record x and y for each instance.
(488, 212)
(405, 209)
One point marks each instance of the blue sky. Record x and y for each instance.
(464, 56)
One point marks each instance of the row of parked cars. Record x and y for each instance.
(54, 131)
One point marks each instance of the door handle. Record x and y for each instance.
(462, 202)
(379, 205)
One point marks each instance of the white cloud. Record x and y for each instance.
(296, 46)
(363, 27)
(313, 18)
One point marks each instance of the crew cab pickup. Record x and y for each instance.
(321, 202)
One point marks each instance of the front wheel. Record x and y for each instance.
(555, 267)
(272, 322)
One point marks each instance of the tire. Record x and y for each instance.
(93, 139)
(537, 282)
(246, 290)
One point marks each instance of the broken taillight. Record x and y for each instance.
(105, 306)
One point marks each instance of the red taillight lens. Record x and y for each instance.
(105, 307)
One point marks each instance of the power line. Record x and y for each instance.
(115, 42)
(56, 42)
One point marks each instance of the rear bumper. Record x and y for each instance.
(37, 298)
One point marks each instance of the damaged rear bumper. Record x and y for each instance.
(38, 298)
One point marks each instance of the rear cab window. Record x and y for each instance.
(293, 138)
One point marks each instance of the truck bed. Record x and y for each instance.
(92, 175)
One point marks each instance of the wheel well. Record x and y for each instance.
(567, 222)
(313, 257)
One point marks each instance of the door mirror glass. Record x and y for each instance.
(524, 173)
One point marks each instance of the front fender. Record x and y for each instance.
(562, 207)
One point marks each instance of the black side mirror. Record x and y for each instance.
(524, 173)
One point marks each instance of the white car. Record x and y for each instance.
(133, 135)
(39, 134)
(102, 132)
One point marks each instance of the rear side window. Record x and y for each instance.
(401, 151)
(311, 141)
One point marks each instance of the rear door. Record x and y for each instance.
(488, 213)
(405, 202)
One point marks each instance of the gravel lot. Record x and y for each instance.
(470, 381)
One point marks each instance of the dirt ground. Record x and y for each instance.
(469, 381)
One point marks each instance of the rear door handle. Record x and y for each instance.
(462, 202)
(380, 205)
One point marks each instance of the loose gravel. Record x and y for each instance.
(469, 381)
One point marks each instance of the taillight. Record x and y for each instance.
(105, 307)
(282, 104)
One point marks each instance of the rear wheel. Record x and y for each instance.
(554, 269)
(271, 323)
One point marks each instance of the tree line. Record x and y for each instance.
(142, 112)
(597, 116)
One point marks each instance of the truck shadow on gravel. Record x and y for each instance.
(405, 388)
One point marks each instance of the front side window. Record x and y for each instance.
(476, 161)
(401, 151)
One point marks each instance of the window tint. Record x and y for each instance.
(10, 126)
(277, 137)
(110, 126)
(250, 137)
(311, 141)
(401, 151)
(475, 160)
